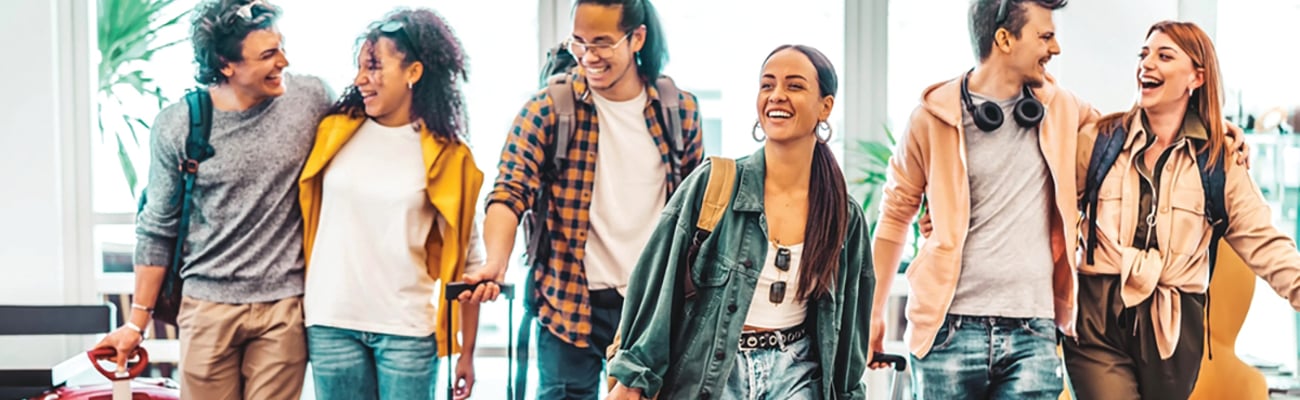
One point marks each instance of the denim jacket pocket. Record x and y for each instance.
(710, 270)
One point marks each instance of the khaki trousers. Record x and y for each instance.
(1115, 356)
(242, 351)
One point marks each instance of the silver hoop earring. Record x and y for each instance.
(1190, 91)
(824, 126)
(754, 132)
(410, 85)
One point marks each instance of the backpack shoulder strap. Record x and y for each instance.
(717, 193)
(670, 100)
(1104, 152)
(197, 149)
(560, 90)
(1213, 181)
(717, 197)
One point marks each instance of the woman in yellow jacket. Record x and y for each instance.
(388, 198)
(1142, 289)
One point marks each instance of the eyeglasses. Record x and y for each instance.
(776, 294)
(1002, 8)
(579, 49)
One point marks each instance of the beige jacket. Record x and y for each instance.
(1181, 263)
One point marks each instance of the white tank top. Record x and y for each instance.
(790, 312)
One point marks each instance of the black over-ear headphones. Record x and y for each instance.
(1028, 111)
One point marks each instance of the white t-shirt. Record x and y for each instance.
(629, 192)
(763, 313)
(368, 269)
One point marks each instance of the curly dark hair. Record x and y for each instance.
(218, 30)
(436, 99)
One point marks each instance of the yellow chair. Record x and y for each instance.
(1226, 376)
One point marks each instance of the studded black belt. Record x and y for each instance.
(771, 339)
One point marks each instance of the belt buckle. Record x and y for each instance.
(780, 339)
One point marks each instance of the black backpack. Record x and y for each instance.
(1104, 152)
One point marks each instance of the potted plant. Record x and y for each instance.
(128, 39)
(872, 174)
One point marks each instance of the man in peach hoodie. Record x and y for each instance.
(992, 153)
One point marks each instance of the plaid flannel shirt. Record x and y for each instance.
(563, 303)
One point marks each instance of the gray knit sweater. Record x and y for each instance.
(245, 240)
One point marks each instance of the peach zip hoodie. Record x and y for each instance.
(930, 162)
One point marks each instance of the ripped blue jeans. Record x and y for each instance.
(990, 358)
(788, 373)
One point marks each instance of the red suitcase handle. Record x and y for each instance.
(132, 371)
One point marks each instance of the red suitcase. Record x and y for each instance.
(125, 385)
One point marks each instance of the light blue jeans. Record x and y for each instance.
(348, 364)
(990, 358)
(789, 373)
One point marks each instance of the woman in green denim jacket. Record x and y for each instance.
(733, 337)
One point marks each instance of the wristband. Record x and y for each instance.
(132, 326)
(137, 306)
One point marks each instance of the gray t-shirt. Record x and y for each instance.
(245, 238)
(1006, 265)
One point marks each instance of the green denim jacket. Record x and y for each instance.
(687, 348)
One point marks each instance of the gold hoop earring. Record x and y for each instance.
(754, 132)
(824, 126)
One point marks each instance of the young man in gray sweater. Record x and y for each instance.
(240, 319)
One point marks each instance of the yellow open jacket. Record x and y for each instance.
(454, 182)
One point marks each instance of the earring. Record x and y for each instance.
(754, 132)
(824, 126)
(410, 85)
(1190, 91)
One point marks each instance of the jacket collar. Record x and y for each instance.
(752, 168)
(335, 131)
(1193, 127)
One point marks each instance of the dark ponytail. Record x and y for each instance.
(654, 53)
(828, 216)
(828, 198)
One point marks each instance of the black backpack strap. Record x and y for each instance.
(1216, 214)
(197, 149)
(1104, 152)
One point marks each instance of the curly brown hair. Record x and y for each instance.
(217, 32)
(436, 99)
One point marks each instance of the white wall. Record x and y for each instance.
(1100, 40)
(33, 211)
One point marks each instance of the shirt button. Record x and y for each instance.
(746, 263)
(704, 394)
(731, 308)
(719, 356)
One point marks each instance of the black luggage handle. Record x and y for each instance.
(899, 362)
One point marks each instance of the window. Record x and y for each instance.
(1261, 90)
(929, 42)
(722, 70)
(320, 40)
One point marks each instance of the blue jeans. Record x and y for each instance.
(789, 373)
(990, 358)
(348, 364)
